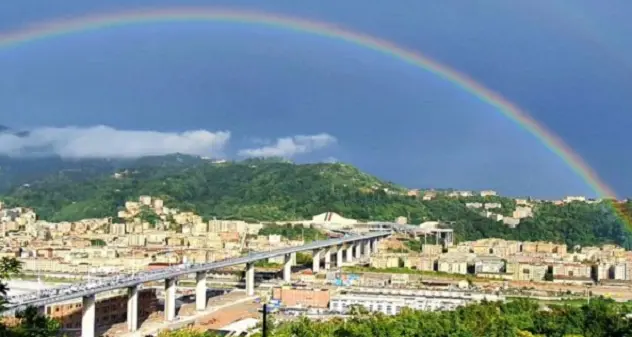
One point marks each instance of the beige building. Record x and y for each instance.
(117, 229)
(421, 262)
(488, 264)
(455, 263)
(527, 271)
(571, 272)
(385, 261)
(488, 193)
(224, 226)
(522, 212)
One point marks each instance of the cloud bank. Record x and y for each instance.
(107, 142)
(288, 147)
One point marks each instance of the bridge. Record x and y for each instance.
(353, 245)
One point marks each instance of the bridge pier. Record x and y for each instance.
(88, 325)
(316, 261)
(250, 279)
(170, 299)
(376, 242)
(350, 253)
(339, 253)
(358, 249)
(287, 268)
(132, 308)
(327, 258)
(200, 291)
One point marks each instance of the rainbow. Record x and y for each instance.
(507, 108)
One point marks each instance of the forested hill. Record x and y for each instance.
(260, 190)
(15, 171)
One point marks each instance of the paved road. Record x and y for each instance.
(77, 290)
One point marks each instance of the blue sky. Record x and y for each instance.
(315, 99)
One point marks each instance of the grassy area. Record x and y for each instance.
(266, 264)
(358, 269)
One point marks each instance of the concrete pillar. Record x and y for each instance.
(350, 253)
(358, 249)
(293, 258)
(287, 268)
(41, 310)
(200, 291)
(339, 254)
(250, 279)
(449, 240)
(327, 258)
(132, 308)
(170, 299)
(88, 326)
(316, 261)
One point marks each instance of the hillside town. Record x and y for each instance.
(424, 262)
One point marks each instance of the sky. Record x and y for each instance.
(234, 90)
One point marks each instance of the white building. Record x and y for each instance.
(391, 302)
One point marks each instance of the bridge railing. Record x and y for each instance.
(180, 270)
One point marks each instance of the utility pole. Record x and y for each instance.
(265, 321)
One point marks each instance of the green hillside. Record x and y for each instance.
(15, 171)
(264, 190)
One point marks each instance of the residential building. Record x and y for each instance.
(302, 297)
(391, 302)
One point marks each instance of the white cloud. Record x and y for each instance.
(106, 142)
(290, 146)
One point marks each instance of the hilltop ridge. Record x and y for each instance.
(276, 190)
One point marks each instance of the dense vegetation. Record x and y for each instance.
(264, 190)
(28, 323)
(15, 171)
(520, 318)
(293, 233)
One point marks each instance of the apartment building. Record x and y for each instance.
(302, 297)
(391, 302)
(525, 271)
(223, 226)
(522, 212)
(386, 261)
(455, 263)
(430, 249)
(424, 262)
(488, 264)
(572, 272)
(488, 193)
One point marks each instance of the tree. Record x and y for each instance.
(97, 243)
(519, 318)
(186, 332)
(29, 323)
(32, 324)
(274, 191)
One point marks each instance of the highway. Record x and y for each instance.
(76, 290)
